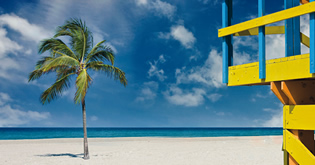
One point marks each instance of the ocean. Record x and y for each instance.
(47, 133)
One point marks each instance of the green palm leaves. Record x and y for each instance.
(74, 60)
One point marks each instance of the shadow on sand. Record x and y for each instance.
(63, 154)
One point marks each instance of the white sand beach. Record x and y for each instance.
(145, 151)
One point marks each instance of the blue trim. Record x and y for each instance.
(296, 31)
(288, 31)
(227, 52)
(312, 41)
(262, 43)
(230, 38)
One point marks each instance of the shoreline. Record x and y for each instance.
(145, 150)
(158, 137)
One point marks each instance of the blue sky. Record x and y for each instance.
(169, 50)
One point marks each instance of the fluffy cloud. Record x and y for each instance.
(276, 119)
(214, 97)
(13, 117)
(209, 74)
(142, 2)
(12, 68)
(155, 71)
(177, 96)
(30, 32)
(148, 91)
(4, 98)
(7, 45)
(181, 34)
(159, 7)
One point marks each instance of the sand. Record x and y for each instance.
(145, 151)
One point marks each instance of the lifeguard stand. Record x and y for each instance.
(291, 78)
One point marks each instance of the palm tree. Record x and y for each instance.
(75, 60)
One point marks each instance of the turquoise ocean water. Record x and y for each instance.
(47, 133)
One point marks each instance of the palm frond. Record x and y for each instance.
(61, 62)
(81, 37)
(110, 71)
(82, 84)
(35, 74)
(55, 45)
(65, 71)
(43, 61)
(38, 72)
(55, 90)
(101, 53)
(94, 49)
(63, 32)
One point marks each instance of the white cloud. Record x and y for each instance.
(275, 46)
(148, 91)
(185, 37)
(155, 71)
(181, 34)
(164, 8)
(29, 31)
(276, 119)
(209, 74)
(159, 7)
(214, 97)
(94, 118)
(12, 117)
(12, 68)
(142, 2)
(177, 96)
(4, 98)
(7, 45)
(164, 35)
(8, 68)
(246, 41)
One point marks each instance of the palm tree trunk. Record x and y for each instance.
(86, 149)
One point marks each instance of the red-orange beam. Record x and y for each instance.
(299, 92)
(304, 1)
(276, 89)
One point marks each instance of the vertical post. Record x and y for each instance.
(262, 45)
(227, 53)
(292, 31)
(312, 41)
(288, 31)
(296, 31)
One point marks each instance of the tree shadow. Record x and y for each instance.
(63, 154)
